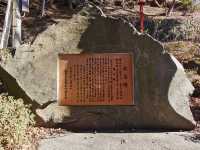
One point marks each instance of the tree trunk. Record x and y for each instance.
(6, 26)
(16, 26)
(43, 7)
(25, 5)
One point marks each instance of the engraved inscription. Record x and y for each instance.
(95, 79)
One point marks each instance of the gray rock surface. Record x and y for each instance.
(122, 141)
(161, 86)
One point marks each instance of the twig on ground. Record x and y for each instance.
(156, 2)
(101, 11)
(169, 12)
(123, 3)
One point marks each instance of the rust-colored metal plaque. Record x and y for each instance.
(95, 79)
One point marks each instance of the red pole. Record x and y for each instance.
(141, 3)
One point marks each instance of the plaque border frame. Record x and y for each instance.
(61, 55)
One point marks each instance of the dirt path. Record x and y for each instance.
(122, 141)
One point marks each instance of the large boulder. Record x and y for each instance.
(161, 87)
